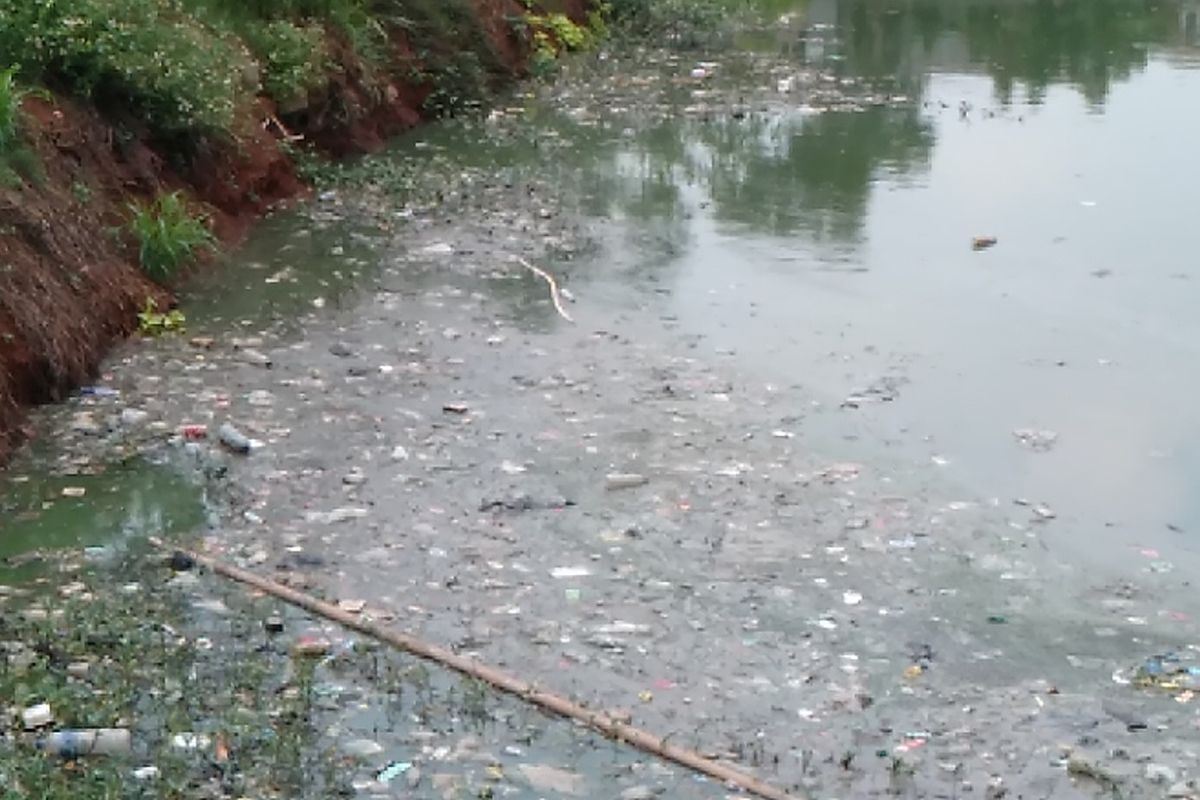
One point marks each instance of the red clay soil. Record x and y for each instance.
(69, 284)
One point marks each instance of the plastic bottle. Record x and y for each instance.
(234, 439)
(88, 742)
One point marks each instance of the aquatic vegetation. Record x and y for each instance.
(152, 322)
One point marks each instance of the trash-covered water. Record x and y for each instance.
(864, 463)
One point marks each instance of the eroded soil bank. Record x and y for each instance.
(70, 286)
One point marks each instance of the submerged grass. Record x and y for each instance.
(209, 716)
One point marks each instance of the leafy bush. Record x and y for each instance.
(168, 235)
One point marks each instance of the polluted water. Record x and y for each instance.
(804, 479)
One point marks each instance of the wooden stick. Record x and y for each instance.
(545, 700)
(548, 278)
(283, 131)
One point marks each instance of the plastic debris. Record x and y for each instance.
(1039, 440)
(624, 480)
(191, 741)
(343, 514)
(193, 433)
(570, 572)
(312, 647)
(254, 357)
(234, 439)
(392, 771)
(98, 391)
(1168, 672)
(362, 748)
(551, 779)
(38, 716)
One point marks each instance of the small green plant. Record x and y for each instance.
(553, 32)
(152, 322)
(17, 161)
(598, 21)
(572, 36)
(543, 62)
(168, 235)
(81, 192)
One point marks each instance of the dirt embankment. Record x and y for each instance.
(70, 286)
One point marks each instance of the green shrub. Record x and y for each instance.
(292, 55)
(149, 56)
(168, 235)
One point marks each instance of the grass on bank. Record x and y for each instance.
(168, 235)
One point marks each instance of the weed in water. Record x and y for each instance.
(168, 235)
(152, 322)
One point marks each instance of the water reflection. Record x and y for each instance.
(811, 172)
(1029, 45)
(779, 174)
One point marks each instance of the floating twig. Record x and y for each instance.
(555, 295)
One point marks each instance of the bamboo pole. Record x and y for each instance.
(548, 701)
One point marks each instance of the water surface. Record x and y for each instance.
(813, 213)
